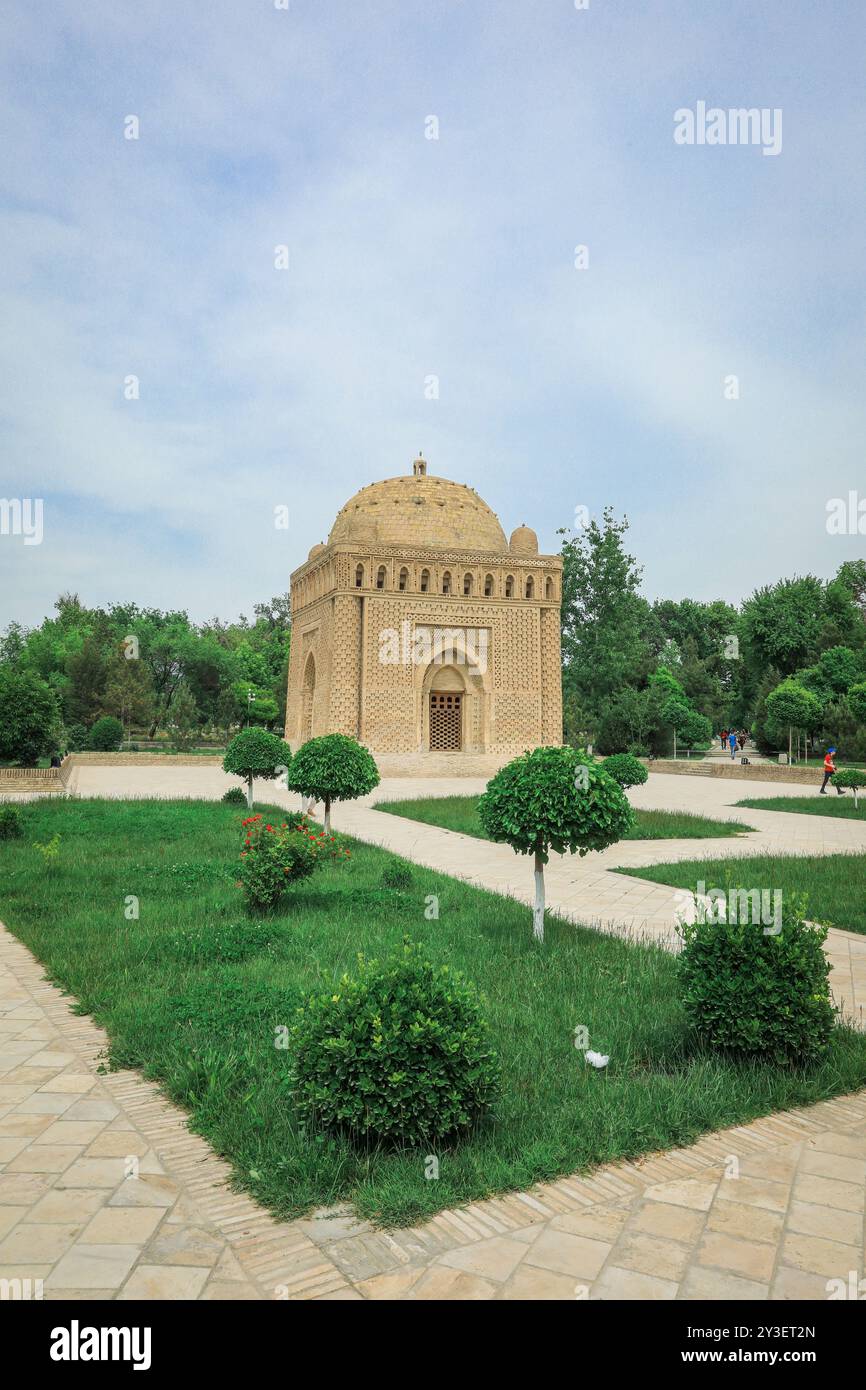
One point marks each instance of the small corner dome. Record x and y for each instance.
(316, 550)
(523, 541)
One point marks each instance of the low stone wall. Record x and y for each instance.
(145, 760)
(31, 779)
(756, 772)
(439, 764)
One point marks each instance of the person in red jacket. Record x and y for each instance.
(829, 771)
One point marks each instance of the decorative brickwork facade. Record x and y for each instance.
(418, 628)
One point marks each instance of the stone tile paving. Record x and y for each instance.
(104, 1193)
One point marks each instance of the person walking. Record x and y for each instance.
(741, 739)
(732, 744)
(829, 771)
(724, 737)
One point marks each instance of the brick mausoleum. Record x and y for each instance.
(419, 630)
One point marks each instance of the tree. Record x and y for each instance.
(857, 701)
(625, 769)
(851, 777)
(553, 799)
(333, 767)
(782, 624)
(86, 670)
(262, 709)
(697, 730)
(183, 717)
(256, 753)
(603, 616)
(106, 735)
(29, 717)
(677, 713)
(128, 692)
(840, 667)
(792, 705)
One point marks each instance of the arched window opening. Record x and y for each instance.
(446, 582)
(548, 589)
(488, 586)
(425, 581)
(404, 579)
(530, 587)
(359, 577)
(380, 577)
(467, 583)
(509, 586)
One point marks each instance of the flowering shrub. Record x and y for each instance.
(276, 855)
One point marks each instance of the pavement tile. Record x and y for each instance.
(94, 1266)
(567, 1254)
(164, 1282)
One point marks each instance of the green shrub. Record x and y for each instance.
(273, 857)
(234, 797)
(399, 1054)
(10, 823)
(754, 991)
(625, 769)
(397, 875)
(106, 735)
(76, 737)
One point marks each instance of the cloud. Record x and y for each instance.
(410, 257)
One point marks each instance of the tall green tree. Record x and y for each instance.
(604, 618)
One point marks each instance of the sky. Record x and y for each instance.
(306, 124)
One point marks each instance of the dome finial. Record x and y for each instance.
(419, 467)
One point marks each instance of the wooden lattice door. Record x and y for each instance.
(445, 722)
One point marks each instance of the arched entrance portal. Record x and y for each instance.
(308, 694)
(447, 707)
(453, 707)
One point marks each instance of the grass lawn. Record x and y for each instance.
(193, 990)
(834, 884)
(461, 813)
(830, 805)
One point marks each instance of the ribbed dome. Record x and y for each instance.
(418, 510)
(523, 541)
(316, 550)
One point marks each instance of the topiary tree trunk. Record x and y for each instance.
(538, 909)
(250, 790)
(326, 823)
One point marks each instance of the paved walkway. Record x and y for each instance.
(105, 1194)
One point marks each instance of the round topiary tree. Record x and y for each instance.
(850, 777)
(625, 769)
(399, 1054)
(793, 705)
(106, 735)
(333, 767)
(553, 799)
(256, 753)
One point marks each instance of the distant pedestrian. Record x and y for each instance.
(829, 772)
(732, 744)
(724, 737)
(741, 739)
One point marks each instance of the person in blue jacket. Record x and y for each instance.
(732, 744)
